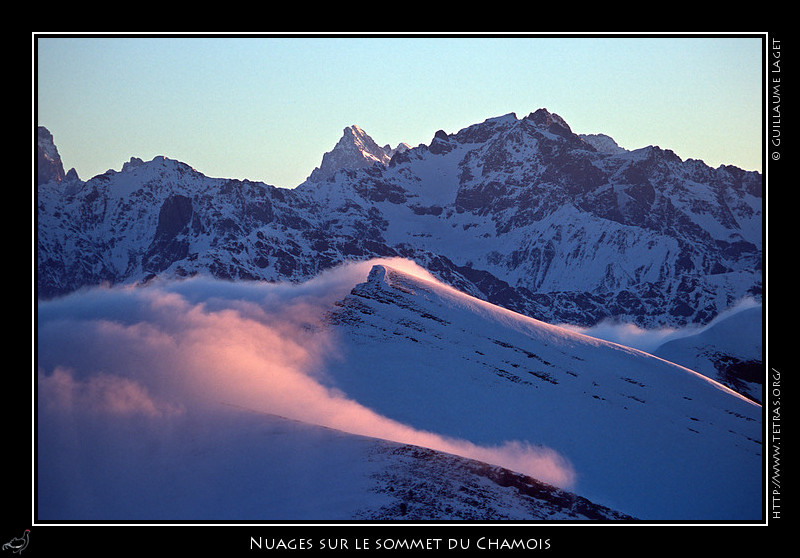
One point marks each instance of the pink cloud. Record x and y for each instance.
(255, 346)
(99, 394)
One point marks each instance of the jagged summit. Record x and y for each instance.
(544, 117)
(356, 149)
(159, 162)
(49, 167)
(354, 137)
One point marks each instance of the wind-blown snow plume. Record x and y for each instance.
(194, 345)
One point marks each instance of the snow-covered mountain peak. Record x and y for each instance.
(545, 118)
(159, 166)
(354, 136)
(603, 143)
(132, 164)
(401, 148)
(354, 150)
(509, 118)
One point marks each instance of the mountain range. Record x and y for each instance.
(519, 226)
(520, 212)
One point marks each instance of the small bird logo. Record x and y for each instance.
(18, 544)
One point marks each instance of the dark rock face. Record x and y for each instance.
(174, 217)
(736, 373)
(48, 163)
(173, 222)
(441, 143)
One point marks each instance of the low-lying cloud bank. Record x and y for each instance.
(167, 349)
(649, 340)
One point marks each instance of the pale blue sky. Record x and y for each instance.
(268, 108)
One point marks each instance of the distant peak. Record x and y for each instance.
(159, 163)
(441, 143)
(401, 148)
(603, 143)
(132, 164)
(355, 149)
(545, 118)
(355, 130)
(48, 161)
(509, 118)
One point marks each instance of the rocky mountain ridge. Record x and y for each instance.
(521, 212)
(355, 150)
(49, 167)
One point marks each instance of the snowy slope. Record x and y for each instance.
(641, 435)
(729, 350)
(203, 400)
(235, 464)
(153, 402)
